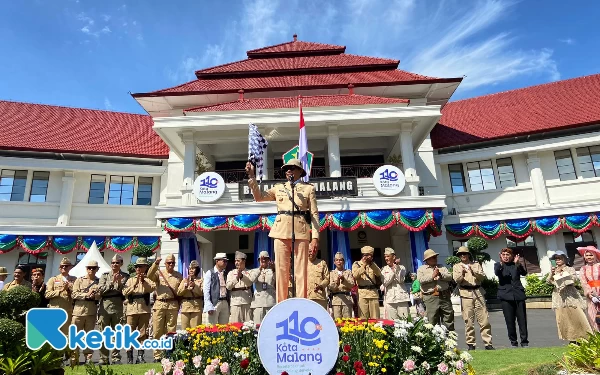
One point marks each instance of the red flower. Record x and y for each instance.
(361, 371)
(339, 373)
(347, 348)
(284, 373)
(345, 358)
(358, 365)
(245, 363)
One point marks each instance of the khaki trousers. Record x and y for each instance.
(221, 314)
(322, 302)
(439, 310)
(139, 322)
(191, 319)
(368, 308)
(342, 311)
(283, 264)
(86, 324)
(475, 308)
(65, 327)
(397, 310)
(163, 322)
(259, 313)
(239, 314)
(109, 320)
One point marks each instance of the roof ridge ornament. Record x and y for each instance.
(295, 37)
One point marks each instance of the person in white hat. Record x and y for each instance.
(435, 284)
(239, 284)
(190, 290)
(264, 285)
(110, 312)
(368, 278)
(216, 296)
(469, 275)
(305, 221)
(3, 276)
(166, 307)
(137, 291)
(59, 291)
(86, 296)
(396, 297)
(341, 283)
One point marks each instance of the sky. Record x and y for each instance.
(93, 53)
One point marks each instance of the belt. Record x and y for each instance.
(139, 296)
(167, 300)
(470, 287)
(341, 293)
(192, 298)
(239, 289)
(296, 213)
(222, 298)
(373, 287)
(441, 292)
(115, 296)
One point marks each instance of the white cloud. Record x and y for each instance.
(105, 30)
(184, 72)
(568, 41)
(107, 104)
(450, 38)
(85, 30)
(106, 17)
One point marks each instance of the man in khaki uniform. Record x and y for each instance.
(341, 283)
(166, 306)
(137, 291)
(86, 296)
(434, 279)
(59, 292)
(18, 279)
(190, 290)
(318, 279)
(239, 284)
(264, 284)
(216, 303)
(396, 297)
(368, 277)
(110, 312)
(469, 275)
(3, 276)
(305, 221)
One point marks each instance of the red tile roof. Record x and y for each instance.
(46, 128)
(294, 82)
(299, 63)
(553, 106)
(296, 47)
(292, 102)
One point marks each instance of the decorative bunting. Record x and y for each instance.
(522, 228)
(206, 224)
(34, 244)
(121, 244)
(64, 244)
(8, 242)
(179, 224)
(323, 221)
(245, 223)
(380, 220)
(268, 221)
(152, 243)
(86, 242)
(39, 245)
(413, 220)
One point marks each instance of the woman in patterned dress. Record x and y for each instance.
(590, 282)
(567, 303)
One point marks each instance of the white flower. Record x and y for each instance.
(197, 361)
(378, 325)
(416, 349)
(425, 365)
(429, 326)
(449, 354)
(400, 332)
(420, 334)
(450, 343)
(466, 357)
(453, 335)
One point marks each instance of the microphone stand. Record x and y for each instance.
(291, 179)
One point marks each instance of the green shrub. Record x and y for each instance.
(477, 247)
(545, 369)
(583, 357)
(10, 331)
(451, 261)
(491, 287)
(15, 303)
(139, 251)
(537, 286)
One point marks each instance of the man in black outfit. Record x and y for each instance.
(512, 295)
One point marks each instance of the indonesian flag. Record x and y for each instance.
(303, 144)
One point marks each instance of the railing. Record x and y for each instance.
(232, 176)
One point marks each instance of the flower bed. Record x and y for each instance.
(366, 348)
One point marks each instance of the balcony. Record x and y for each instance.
(232, 176)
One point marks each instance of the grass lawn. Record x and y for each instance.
(497, 362)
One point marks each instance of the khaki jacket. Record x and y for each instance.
(473, 276)
(305, 199)
(428, 284)
(393, 280)
(111, 293)
(84, 306)
(337, 286)
(193, 299)
(13, 284)
(362, 273)
(318, 276)
(165, 298)
(263, 297)
(138, 305)
(59, 298)
(240, 290)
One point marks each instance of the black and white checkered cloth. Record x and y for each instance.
(257, 145)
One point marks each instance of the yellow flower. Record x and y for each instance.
(383, 369)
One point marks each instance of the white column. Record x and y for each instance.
(545, 252)
(537, 180)
(408, 159)
(66, 199)
(333, 152)
(189, 168)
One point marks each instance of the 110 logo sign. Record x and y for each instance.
(294, 330)
(388, 180)
(209, 187)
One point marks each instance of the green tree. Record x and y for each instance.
(139, 251)
(477, 247)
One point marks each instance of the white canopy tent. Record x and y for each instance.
(92, 254)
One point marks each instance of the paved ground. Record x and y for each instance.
(541, 324)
